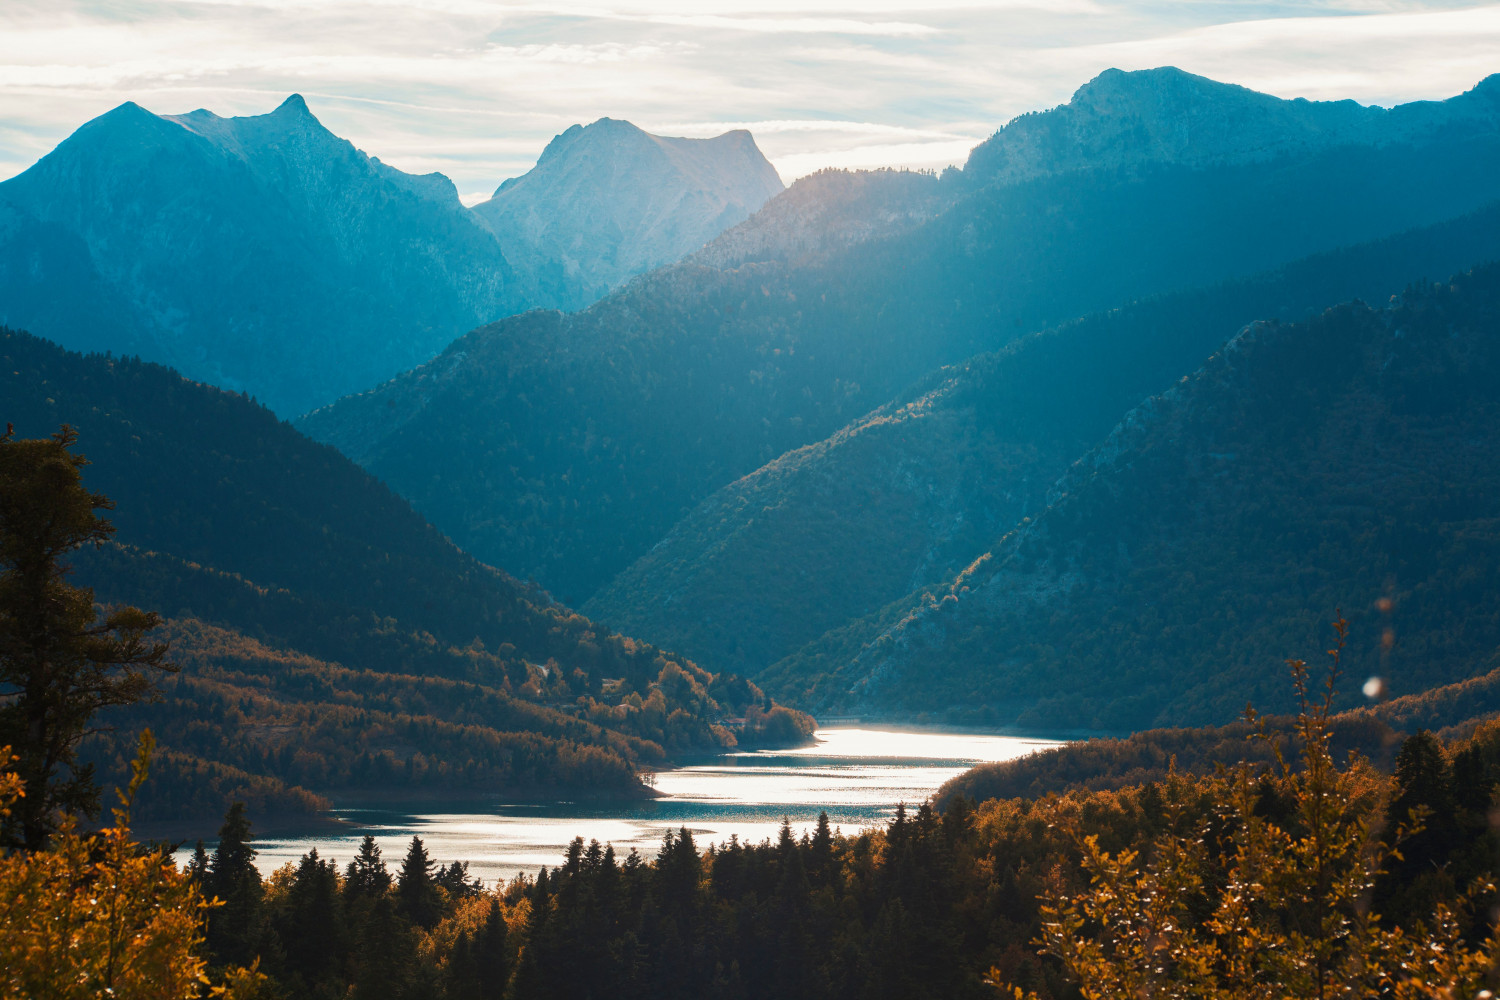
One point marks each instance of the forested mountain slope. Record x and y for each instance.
(1346, 462)
(564, 447)
(1374, 731)
(267, 254)
(608, 200)
(831, 210)
(229, 517)
(906, 496)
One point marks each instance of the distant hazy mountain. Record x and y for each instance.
(1219, 527)
(907, 496)
(828, 211)
(267, 254)
(607, 201)
(565, 447)
(1126, 121)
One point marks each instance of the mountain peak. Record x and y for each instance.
(604, 131)
(1166, 116)
(294, 105)
(122, 116)
(607, 123)
(620, 200)
(1115, 80)
(128, 108)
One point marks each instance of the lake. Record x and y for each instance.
(856, 775)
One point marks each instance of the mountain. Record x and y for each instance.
(1126, 121)
(307, 597)
(565, 447)
(1345, 462)
(266, 254)
(1120, 122)
(250, 249)
(827, 211)
(607, 201)
(906, 496)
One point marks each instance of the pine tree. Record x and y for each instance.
(234, 929)
(461, 976)
(491, 960)
(314, 932)
(59, 664)
(384, 956)
(366, 875)
(197, 868)
(1424, 804)
(454, 879)
(820, 856)
(415, 889)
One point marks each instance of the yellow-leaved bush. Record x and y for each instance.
(97, 914)
(1269, 895)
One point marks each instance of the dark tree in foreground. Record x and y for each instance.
(415, 888)
(366, 875)
(234, 928)
(59, 663)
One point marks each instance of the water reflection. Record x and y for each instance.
(856, 775)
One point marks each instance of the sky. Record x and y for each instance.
(475, 89)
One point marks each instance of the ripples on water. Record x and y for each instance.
(856, 775)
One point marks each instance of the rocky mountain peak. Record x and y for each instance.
(294, 105)
(291, 125)
(609, 200)
(605, 131)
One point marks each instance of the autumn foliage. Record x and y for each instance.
(100, 915)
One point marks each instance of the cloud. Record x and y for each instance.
(1328, 58)
(797, 25)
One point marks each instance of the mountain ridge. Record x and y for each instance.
(229, 518)
(587, 436)
(908, 494)
(264, 253)
(1168, 115)
(1303, 468)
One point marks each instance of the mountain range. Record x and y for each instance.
(906, 496)
(1340, 464)
(565, 446)
(266, 254)
(1087, 434)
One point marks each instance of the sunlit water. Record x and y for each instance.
(856, 775)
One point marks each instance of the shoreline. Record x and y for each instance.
(889, 725)
(330, 820)
(336, 819)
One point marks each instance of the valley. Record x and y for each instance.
(892, 583)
